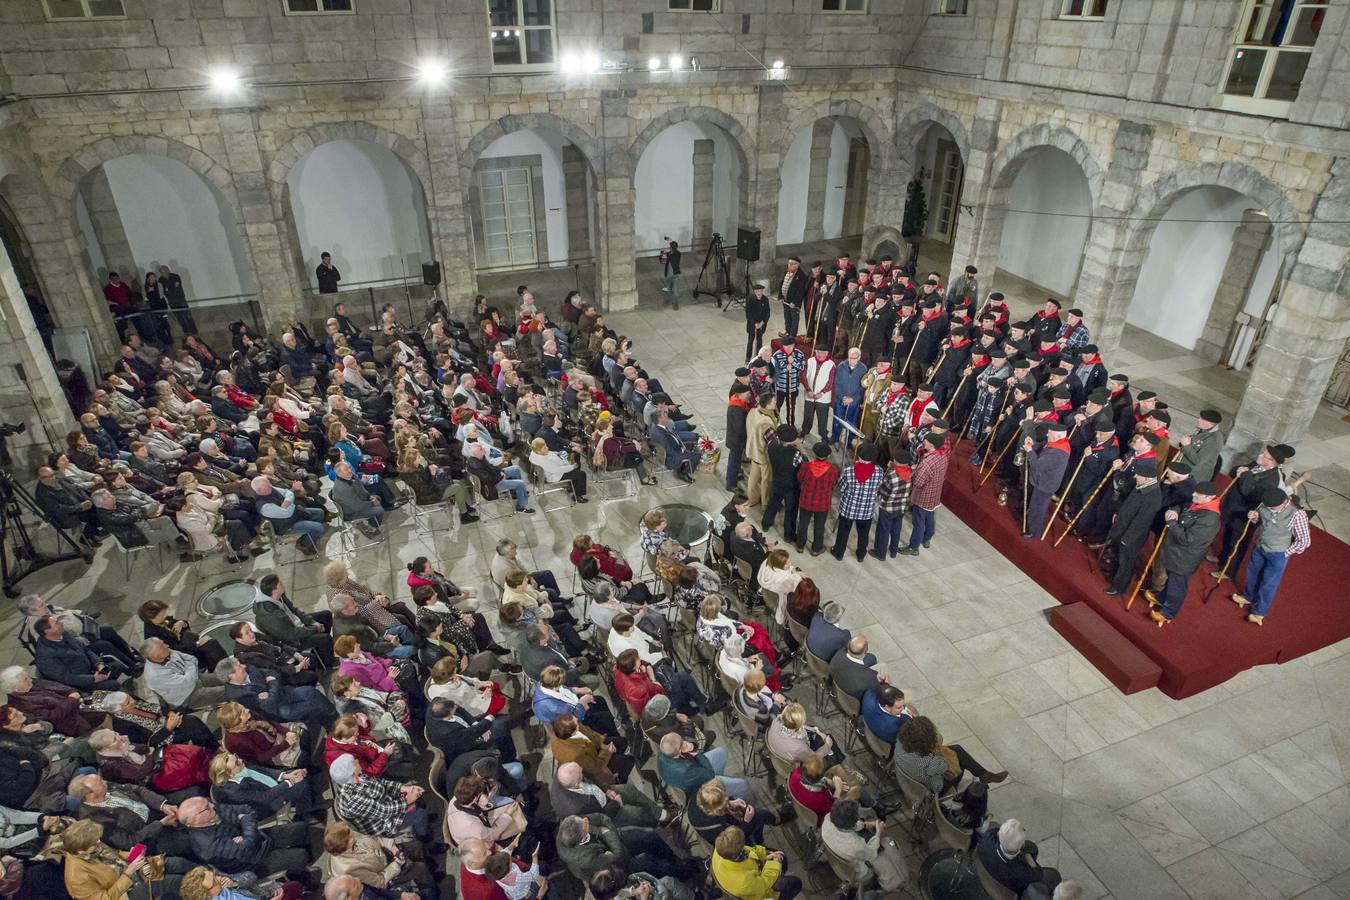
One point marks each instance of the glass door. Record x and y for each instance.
(950, 176)
(508, 218)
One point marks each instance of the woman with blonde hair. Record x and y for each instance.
(792, 739)
(713, 810)
(265, 791)
(258, 741)
(754, 648)
(375, 862)
(201, 520)
(95, 871)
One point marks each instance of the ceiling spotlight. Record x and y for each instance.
(676, 62)
(224, 80)
(494, 35)
(654, 63)
(431, 71)
(570, 63)
(519, 32)
(778, 64)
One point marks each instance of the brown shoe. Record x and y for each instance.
(307, 549)
(994, 777)
(1152, 598)
(1159, 618)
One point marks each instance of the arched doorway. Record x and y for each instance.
(691, 181)
(139, 211)
(823, 187)
(532, 207)
(940, 171)
(1213, 267)
(359, 201)
(1046, 221)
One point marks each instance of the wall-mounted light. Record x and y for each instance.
(654, 64)
(431, 72)
(590, 63)
(676, 62)
(224, 80)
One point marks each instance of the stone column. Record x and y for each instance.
(616, 244)
(771, 143)
(705, 162)
(101, 205)
(1109, 272)
(973, 234)
(275, 278)
(1307, 335)
(447, 204)
(1250, 240)
(817, 179)
(29, 389)
(577, 190)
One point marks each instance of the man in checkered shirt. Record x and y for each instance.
(379, 807)
(892, 502)
(858, 487)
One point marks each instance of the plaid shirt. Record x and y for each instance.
(929, 473)
(858, 499)
(372, 806)
(1074, 336)
(893, 496)
(816, 492)
(892, 421)
(787, 371)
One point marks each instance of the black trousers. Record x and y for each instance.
(1125, 566)
(753, 341)
(864, 527)
(816, 521)
(784, 497)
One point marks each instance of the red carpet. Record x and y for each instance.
(1207, 644)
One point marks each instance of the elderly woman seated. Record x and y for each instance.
(145, 722)
(158, 621)
(374, 672)
(121, 761)
(258, 741)
(95, 871)
(450, 681)
(265, 791)
(552, 698)
(791, 739)
(608, 562)
(600, 758)
(715, 627)
(472, 813)
(921, 756)
(712, 811)
(43, 700)
(754, 699)
(19, 734)
(466, 634)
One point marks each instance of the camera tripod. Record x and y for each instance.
(716, 257)
(15, 500)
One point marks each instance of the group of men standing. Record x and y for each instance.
(900, 368)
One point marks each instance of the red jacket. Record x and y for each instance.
(635, 690)
(369, 754)
(609, 564)
(929, 474)
(477, 886)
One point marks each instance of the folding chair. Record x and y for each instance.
(544, 488)
(503, 497)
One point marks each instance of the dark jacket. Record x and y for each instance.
(1187, 540)
(1013, 874)
(602, 850)
(274, 658)
(216, 846)
(67, 661)
(1047, 468)
(269, 617)
(1135, 516)
(21, 772)
(756, 312)
(796, 289)
(783, 461)
(121, 827)
(574, 803)
(455, 737)
(123, 523)
(61, 501)
(351, 497)
(851, 677)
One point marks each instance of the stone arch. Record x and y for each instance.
(71, 172)
(874, 237)
(873, 127)
(404, 148)
(740, 137)
(907, 129)
(584, 141)
(1016, 152)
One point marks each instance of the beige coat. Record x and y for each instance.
(366, 862)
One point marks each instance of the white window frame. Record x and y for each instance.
(953, 7)
(551, 28)
(842, 11)
(1066, 6)
(286, 9)
(716, 7)
(87, 17)
(1258, 104)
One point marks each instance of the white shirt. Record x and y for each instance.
(174, 680)
(635, 640)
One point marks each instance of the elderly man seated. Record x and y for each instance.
(278, 506)
(1010, 859)
(494, 476)
(129, 813)
(360, 500)
(855, 670)
(348, 619)
(825, 637)
(133, 524)
(572, 795)
(268, 696)
(587, 844)
(379, 807)
(226, 837)
(172, 676)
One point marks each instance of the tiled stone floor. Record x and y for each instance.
(1238, 793)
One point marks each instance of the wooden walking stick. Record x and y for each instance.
(1222, 575)
(1228, 487)
(928, 376)
(914, 342)
(1086, 504)
(956, 393)
(1064, 496)
(998, 459)
(1026, 474)
(1148, 565)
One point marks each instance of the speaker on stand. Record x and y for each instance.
(747, 251)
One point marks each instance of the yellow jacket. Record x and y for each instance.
(757, 423)
(750, 878)
(90, 880)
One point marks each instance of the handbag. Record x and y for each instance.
(181, 766)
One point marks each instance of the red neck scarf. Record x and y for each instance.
(916, 408)
(903, 471)
(932, 314)
(863, 471)
(1116, 392)
(1091, 360)
(1061, 444)
(1212, 506)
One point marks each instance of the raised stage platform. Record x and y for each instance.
(1206, 645)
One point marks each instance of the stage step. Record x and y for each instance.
(1123, 664)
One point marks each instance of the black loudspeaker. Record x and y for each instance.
(431, 273)
(747, 244)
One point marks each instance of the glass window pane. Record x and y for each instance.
(1305, 28)
(1097, 8)
(502, 12)
(106, 8)
(1073, 8)
(338, 5)
(705, 5)
(539, 47)
(65, 9)
(303, 5)
(1288, 74)
(856, 5)
(506, 49)
(1245, 72)
(492, 178)
(538, 12)
(1261, 26)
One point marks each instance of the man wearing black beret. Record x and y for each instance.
(1189, 532)
(1048, 464)
(1201, 450)
(1133, 520)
